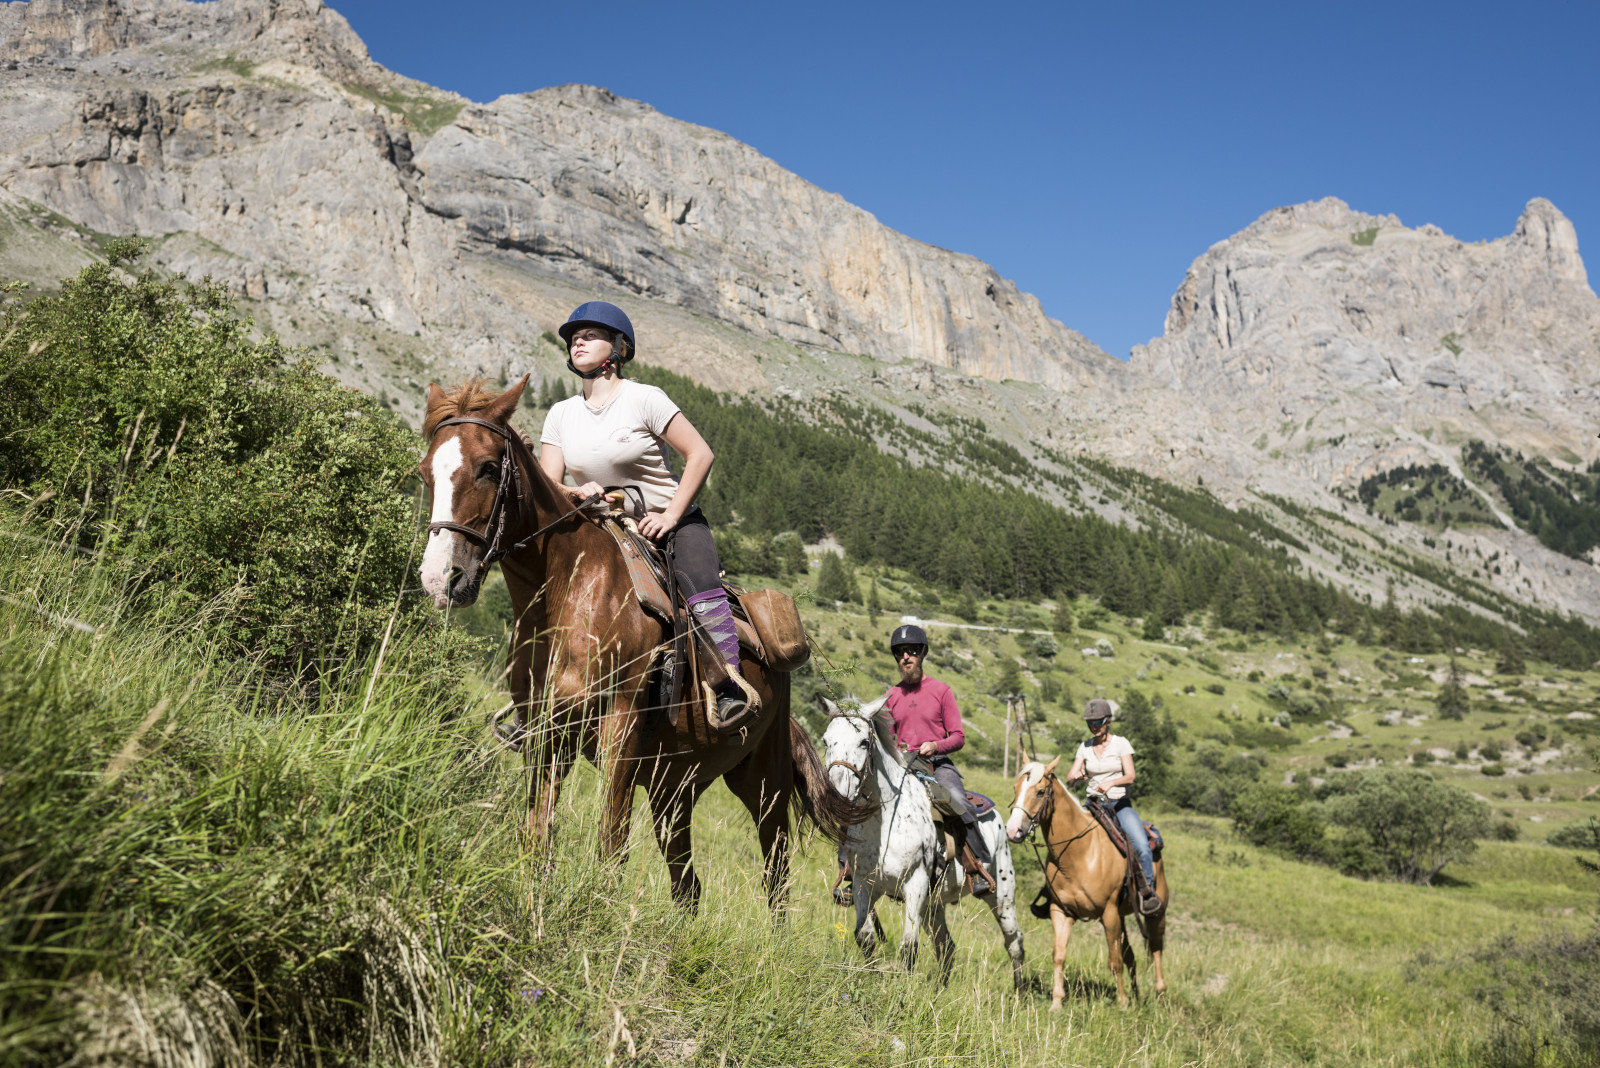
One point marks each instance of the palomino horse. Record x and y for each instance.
(1084, 876)
(896, 850)
(582, 649)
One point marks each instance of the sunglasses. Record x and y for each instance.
(904, 651)
(1095, 724)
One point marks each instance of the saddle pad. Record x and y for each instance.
(1155, 838)
(981, 803)
(646, 586)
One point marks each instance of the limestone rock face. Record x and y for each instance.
(261, 132)
(1349, 340)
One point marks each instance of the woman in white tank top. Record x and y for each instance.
(616, 433)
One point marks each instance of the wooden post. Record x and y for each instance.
(1005, 767)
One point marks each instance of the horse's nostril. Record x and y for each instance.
(453, 577)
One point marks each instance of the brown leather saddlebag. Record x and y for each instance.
(777, 623)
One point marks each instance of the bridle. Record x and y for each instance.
(507, 495)
(861, 776)
(1047, 786)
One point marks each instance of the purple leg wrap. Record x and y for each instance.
(711, 608)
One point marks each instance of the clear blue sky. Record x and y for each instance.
(1088, 151)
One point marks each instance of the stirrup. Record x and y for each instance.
(844, 894)
(510, 734)
(1040, 905)
(730, 711)
(1151, 904)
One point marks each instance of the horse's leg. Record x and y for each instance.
(1117, 950)
(549, 759)
(916, 891)
(944, 947)
(1062, 925)
(1155, 932)
(619, 766)
(1003, 902)
(866, 919)
(672, 811)
(1004, 907)
(764, 781)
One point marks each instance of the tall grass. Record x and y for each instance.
(199, 866)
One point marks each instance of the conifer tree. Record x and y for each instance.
(1061, 620)
(874, 606)
(833, 581)
(1511, 660)
(1452, 698)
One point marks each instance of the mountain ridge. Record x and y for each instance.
(410, 233)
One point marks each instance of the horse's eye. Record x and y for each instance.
(490, 470)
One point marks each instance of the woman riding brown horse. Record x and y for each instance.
(582, 651)
(1084, 876)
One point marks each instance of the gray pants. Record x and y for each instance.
(944, 771)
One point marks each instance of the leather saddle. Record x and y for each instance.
(688, 654)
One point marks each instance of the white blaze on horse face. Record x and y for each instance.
(1031, 774)
(846, 739)
(447, 550)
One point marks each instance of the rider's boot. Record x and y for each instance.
(734, 696)
(979, 863)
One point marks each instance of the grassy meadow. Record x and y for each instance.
(202, 864)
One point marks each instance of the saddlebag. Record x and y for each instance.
(776, 621)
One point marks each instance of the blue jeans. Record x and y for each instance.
(1139, 842)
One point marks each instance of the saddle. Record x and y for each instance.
(767, 621)
(1133, 880)
(1133, 876)
(952, 831)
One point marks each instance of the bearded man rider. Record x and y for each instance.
(927, 723)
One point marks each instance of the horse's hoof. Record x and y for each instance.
(1055, 1004)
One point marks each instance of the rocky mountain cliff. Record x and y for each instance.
(258, 139)
(1358, 344)
(411, 234)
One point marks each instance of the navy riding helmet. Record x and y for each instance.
(911, 635)
(603, 314)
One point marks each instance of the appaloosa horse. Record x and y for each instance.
(1084, 875)
(582, 651)
(896, 850)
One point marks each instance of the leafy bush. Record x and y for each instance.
(159, 430)
(1275, 817)
(1584, 834)
(1416, 823)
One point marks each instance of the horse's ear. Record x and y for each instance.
(827, 706)
(502, 407)
(435, 395)
(1048, 768)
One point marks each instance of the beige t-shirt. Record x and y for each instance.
(619, 445)
(1107, 765)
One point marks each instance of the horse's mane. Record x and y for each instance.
(469, 398)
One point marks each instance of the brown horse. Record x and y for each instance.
(1084, 876)
(582, 651)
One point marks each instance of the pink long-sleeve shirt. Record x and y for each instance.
(926, 712)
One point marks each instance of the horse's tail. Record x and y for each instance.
(814, 797)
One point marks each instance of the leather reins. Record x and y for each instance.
(1042, 822)
(507, 494)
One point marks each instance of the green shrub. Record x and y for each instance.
(1275, 817)
(163, 432)
(1585, 834)
(1416, 823)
